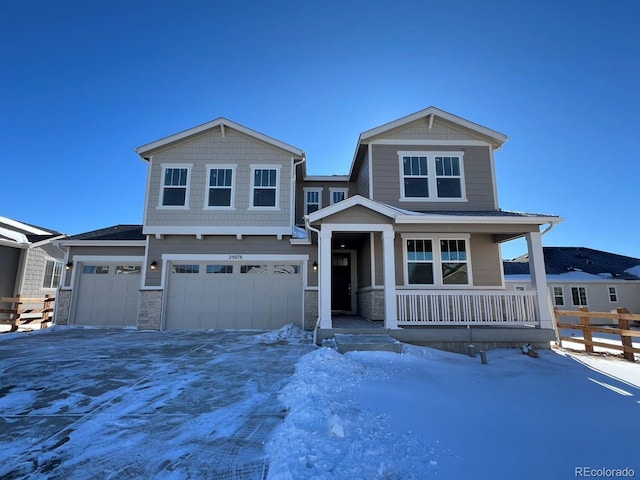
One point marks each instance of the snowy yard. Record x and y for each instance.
(88, 403)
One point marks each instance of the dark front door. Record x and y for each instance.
(341, 282)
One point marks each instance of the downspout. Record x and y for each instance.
(293, 189)
(548, 229)
(312, 229)
(555, 325)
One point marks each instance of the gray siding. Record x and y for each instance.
(211, 148)
(35, 267)
(357, 215)
(486, 261)
(477, 176)
(440, 130)
(9, 260)
(362, 178)
(326, 197)
(364, 264)
(223, 245)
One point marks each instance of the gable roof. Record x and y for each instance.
(351, 202)
(22, 235)
(498, 137)
(561, 260)
(113, 233)
(219, 122)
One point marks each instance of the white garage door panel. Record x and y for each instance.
(107, 299)
(260, 299)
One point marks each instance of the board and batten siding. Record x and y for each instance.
(225, 245)
(477, 177)
(211, 147)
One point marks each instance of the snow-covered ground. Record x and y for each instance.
(187, 405)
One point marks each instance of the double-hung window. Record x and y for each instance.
(558, 296)
(579, 296)
(431, 176)
(437, 261)
(221, 180)
(312, 200)
(175, 186)
(264, 186)
(338, 194)
(52, 274)
(613, 294)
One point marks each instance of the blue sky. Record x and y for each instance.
(85, 82)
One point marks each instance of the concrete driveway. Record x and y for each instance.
(97, 403)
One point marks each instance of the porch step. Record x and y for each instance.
(367, 342)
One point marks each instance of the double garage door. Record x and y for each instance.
(233, 295)
(108, 295)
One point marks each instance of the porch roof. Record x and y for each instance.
(401, 216)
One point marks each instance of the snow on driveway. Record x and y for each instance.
(78, 403)
(91, 403)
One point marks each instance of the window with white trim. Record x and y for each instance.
(221, 182)
(175, 186)
(613, 294)
(437, 261)
(338, 194)
(579, 296)
(52, 274)
(429, 176)
(312, 200)
(558, 296)
(264, 187)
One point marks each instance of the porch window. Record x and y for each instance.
(579, 296)
(220, 188)
(52, 274)
(264, 187)
(453, 254)
(613, 294)
(175, 186)
(312, 200)
(420, 262)
(558, 296)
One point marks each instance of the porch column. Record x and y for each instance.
(324, 291)
(539, 279)
(389, 267)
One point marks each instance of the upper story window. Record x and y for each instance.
(221, 183)
(437, 261)
(52, 274)
(338, 194)
(264, 186)
(431, 176)
(175, 186)
(312, 200)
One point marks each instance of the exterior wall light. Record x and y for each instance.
(154, 265)
(68, 266)
(315, 266)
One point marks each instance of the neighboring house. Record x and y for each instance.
(583, 277)
(236, 234)
(30, 264)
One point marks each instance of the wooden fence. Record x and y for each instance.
(21, 312)
(622, 316)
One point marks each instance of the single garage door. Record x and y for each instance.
(108, 295)
(220, 296)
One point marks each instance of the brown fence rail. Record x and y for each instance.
(623, 317)
(20, 311)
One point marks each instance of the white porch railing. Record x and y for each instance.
(465, 307)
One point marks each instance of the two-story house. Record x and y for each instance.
(237, 235)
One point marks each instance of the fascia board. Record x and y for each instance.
(101, 243)
(432, 219)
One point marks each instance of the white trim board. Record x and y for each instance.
(208, 230)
